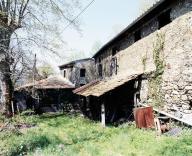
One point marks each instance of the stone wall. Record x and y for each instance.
(178, 8)
(167, 54)
(175, 85)
(73, 73)
(89, 74)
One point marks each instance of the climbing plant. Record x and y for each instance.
(144, 62)
(155, 81)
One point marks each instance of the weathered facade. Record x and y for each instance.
(153, 20)
(79, 72)
(158, 45)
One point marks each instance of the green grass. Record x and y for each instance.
(74, 136)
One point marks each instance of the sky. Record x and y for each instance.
(103, 20)
(99, 23)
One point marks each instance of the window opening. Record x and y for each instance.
(82, 72)
(164, 18)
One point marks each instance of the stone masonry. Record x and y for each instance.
(175, 86)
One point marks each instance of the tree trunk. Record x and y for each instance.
(7, 88)
(5, 72)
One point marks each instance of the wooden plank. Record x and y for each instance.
(169, 115)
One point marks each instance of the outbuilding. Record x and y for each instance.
(51, 94)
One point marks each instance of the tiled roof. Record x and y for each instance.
(100, 87)
(52, 82)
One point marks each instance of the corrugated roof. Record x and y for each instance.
(157, 6)
(101, 87)
(52, 82)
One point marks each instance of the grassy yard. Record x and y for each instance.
(69, 135)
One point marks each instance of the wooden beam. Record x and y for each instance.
(136, 99)
(103, 114)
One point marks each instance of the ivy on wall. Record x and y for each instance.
(144, 62)
(155, 81)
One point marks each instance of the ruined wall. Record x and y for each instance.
(177, 84)
(167, 55)
(73, 73)
(68, 73)
(89, 74)
(179, 7)
(105, 60)
(167, 52)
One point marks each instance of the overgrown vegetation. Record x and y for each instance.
(155, 81)
(144, 61)
(60, 135)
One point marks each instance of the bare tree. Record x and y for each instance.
(32, 16)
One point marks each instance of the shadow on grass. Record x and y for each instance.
(55, 115)
(24, 145)
(51, 116)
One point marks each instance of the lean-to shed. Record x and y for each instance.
(51, 94)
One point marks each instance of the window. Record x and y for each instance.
(64, 73)
(137, 35)
(100, 70)
(164, 18)
(82, 72)
(115, 50)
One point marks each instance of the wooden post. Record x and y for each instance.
(103, 114)
(157, 126)
(34, 78)
(135, 100)
(17, 109)
(12, 107)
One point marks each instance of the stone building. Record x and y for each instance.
(149, 62)
(79, 72)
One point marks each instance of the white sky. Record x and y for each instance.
(100, 22)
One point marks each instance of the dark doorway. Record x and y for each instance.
(120, 103)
